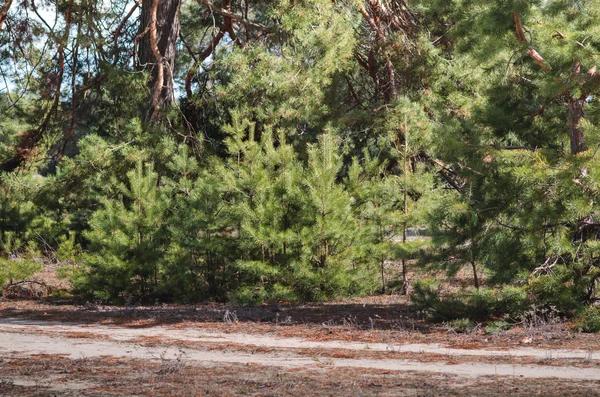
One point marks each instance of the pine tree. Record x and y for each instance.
(127, 238)
(203, 247)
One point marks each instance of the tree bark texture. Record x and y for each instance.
(160, 26)
(4, 11)
(576, 106)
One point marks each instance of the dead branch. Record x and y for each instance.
(450, 176)
(381, 107)
(392, 76)
(519, 26)
(372, 24)
(239, 18)
(17, 290)
(75, 98)
(537, 58)
(546, 267)
(353, 92)
(227, 27)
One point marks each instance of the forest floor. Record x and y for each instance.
(373, 346)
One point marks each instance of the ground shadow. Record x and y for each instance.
(363, 316)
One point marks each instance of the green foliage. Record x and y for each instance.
(494, 327)
(462, 324)
(474, 304)
(513, 300)
(261, 226)
(127, 238)
(20, 264)
(588, 319)
(310, 142)
(15, 270)
(297, 228)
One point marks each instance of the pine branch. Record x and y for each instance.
(513, 147)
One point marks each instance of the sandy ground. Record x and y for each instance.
(186, 349)
(26, 338)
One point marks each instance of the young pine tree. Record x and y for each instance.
(127, 239)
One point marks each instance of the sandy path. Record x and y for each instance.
(270, 341)
(27, 343)
(23, 337)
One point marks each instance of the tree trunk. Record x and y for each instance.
(160, 27)
(4, 11)
(475, 277)
(575, 131)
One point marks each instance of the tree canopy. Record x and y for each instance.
(286, 150)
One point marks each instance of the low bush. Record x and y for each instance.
(494, 327)
(513, 301)
(462, 324)
(588, 319)
(474, 304)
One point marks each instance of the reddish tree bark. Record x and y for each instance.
(157, 49)
(576, 114)
(4, 11)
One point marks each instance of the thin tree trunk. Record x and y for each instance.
(4, 12)
(157, 50)
(576, 114)
(382, 265)
(475, 277)
(405, 209)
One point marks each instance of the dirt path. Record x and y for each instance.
(27, 337)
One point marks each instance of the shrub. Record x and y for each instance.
(513, 300)
(588, 319)
(20, 266)
(473, 304)
(462, 324)
(558, 290)
(426, 298)
(481, 303)
(493, 327)
(15, 270)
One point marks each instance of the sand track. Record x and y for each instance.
(29, 337)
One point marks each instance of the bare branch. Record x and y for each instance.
(229, 14)
(122, 24)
